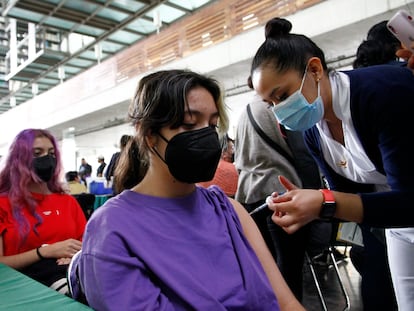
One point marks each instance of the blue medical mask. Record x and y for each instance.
(296, 114)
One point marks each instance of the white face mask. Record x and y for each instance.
(296, 113)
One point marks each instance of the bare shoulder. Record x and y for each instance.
(244, 216)
(237, 206)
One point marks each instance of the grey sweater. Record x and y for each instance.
(258, 163)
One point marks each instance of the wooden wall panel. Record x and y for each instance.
(221, 20)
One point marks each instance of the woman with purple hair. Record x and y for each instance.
(41, 226)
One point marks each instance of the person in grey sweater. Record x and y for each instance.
(259, 164)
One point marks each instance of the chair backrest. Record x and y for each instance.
(86, 201)
(74, 285)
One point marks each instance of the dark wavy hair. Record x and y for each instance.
(18, 173)
(379, 47)
(283, 50)
(131, 167)
(160, 100)
(370, 53)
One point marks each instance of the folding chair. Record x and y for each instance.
(74, 285)
(86, 201)
(330, 261)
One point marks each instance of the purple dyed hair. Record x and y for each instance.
(17, 173)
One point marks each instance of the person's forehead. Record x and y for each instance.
(199, 93)
(267, 79)
(42, 142)
(201, 100)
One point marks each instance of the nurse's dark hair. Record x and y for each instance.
(283, 50)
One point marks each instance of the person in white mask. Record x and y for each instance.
(357, 125)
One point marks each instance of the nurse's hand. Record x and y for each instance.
(407, 55)
(296, 207)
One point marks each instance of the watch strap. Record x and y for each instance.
(327, 195)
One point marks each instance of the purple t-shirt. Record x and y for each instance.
(147, 253)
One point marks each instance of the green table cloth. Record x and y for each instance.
(19, 292)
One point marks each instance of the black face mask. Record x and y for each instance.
(44, 167)
(193, 156)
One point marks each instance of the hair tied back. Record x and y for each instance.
(277, 27)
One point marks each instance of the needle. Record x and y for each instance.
(261, 207)
(258, 209)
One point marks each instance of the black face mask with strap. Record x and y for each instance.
(44, 167)
(193, 156)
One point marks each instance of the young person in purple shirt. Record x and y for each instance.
(167, 244)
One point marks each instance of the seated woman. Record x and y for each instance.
(167, 244)
(74, 183)
(41, 226)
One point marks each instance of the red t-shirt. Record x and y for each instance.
(62, 217)
(226, 177)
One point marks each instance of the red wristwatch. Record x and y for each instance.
(328, 205)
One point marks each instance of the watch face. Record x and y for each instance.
(328, 210)
(328, 206)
